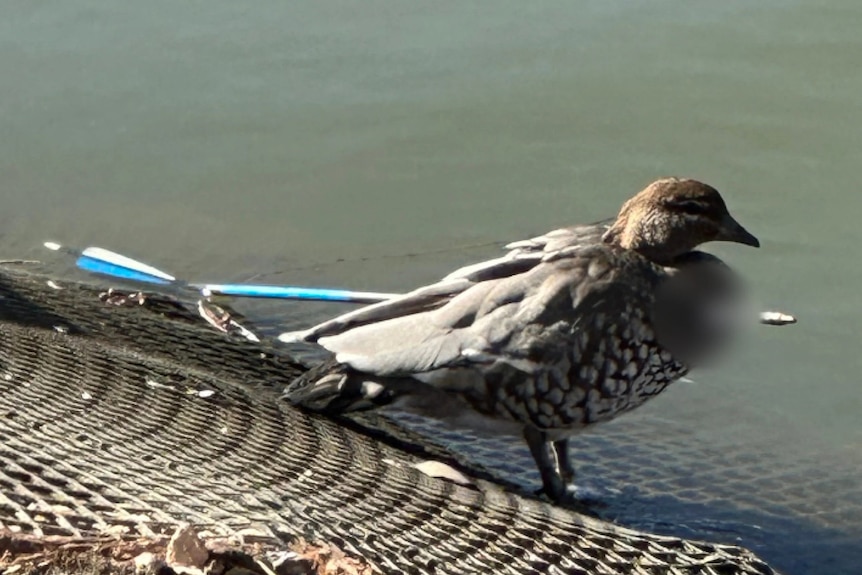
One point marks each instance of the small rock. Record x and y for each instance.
(185, 548)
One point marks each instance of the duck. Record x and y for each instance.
(565, 331)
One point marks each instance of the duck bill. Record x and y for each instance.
(732, 231)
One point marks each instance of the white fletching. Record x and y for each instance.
(126, 262)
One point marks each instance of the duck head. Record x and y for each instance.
(673, 216)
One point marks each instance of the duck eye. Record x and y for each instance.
(691, 207)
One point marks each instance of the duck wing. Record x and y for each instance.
(518, 320)
(522, 257)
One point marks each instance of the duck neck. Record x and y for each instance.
(652, 248)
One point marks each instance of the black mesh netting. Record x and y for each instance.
(143, 416)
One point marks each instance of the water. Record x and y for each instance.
(224, 140)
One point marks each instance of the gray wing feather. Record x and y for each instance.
(525, 254)
(561, 238)
(476, 327)
(412, 343)
(522, 257)
(418, 300)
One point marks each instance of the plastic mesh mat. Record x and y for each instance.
(143, 417)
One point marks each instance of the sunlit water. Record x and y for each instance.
(227, 140)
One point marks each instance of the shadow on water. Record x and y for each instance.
(791, 544)
(677, 486)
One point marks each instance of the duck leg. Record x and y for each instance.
(565, 467)
(552, 483)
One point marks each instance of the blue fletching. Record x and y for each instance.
(101, 267)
